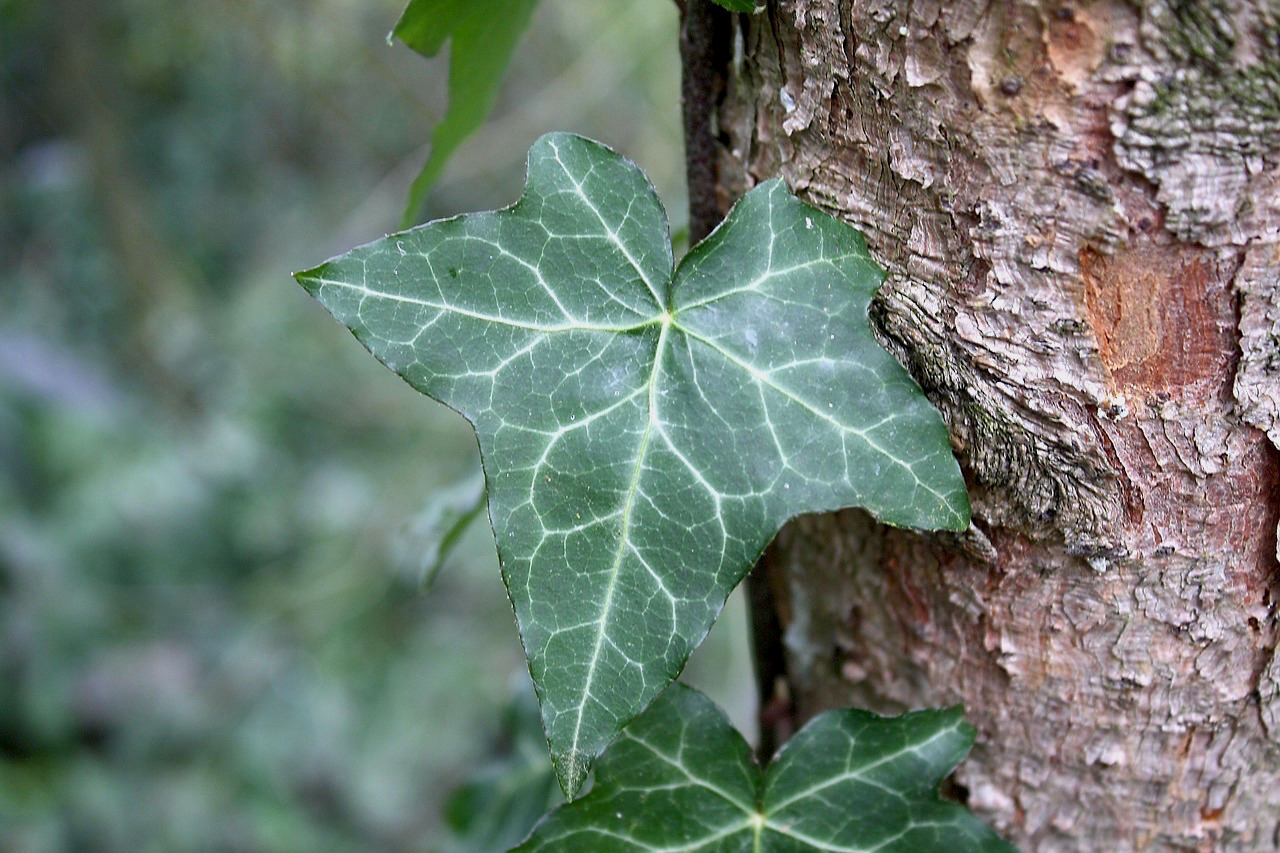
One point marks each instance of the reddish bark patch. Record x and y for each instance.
(1161, 315)
(1074, 46)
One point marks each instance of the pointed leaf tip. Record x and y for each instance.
(571, 770)
(646, 432)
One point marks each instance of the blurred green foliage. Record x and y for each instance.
(212, 634)
(508, 794)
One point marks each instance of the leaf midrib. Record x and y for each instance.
(574, 326)
(624, 534)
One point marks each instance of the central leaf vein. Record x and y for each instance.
(574, 326)
(624, 539)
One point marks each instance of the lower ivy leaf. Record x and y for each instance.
(645, 431)
(681, 778)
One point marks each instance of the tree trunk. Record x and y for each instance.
(1079, 208)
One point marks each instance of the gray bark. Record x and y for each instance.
(1079, 208)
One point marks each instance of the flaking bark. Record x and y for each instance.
(1079, 207)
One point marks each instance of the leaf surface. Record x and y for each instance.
(681, 778)
(645, 433)
(748, 6)
(483, 36)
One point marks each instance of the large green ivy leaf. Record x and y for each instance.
(482, 35)
(644, 434)
(681, 778)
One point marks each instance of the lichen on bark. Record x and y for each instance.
(1202, 120)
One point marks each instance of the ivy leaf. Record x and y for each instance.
(645, 433)
(748, 6)
(681, 778)
(483, 36)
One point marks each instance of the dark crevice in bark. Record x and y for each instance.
(776, 713)
(706, 49)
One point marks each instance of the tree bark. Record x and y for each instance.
(1079, 208)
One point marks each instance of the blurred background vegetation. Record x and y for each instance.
(213, 634)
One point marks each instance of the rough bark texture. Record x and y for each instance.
(1079, 206)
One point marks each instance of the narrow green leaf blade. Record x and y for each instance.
(425, 25)
(440, 525)
(680, 778)
(483, 35)
(644, 434)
